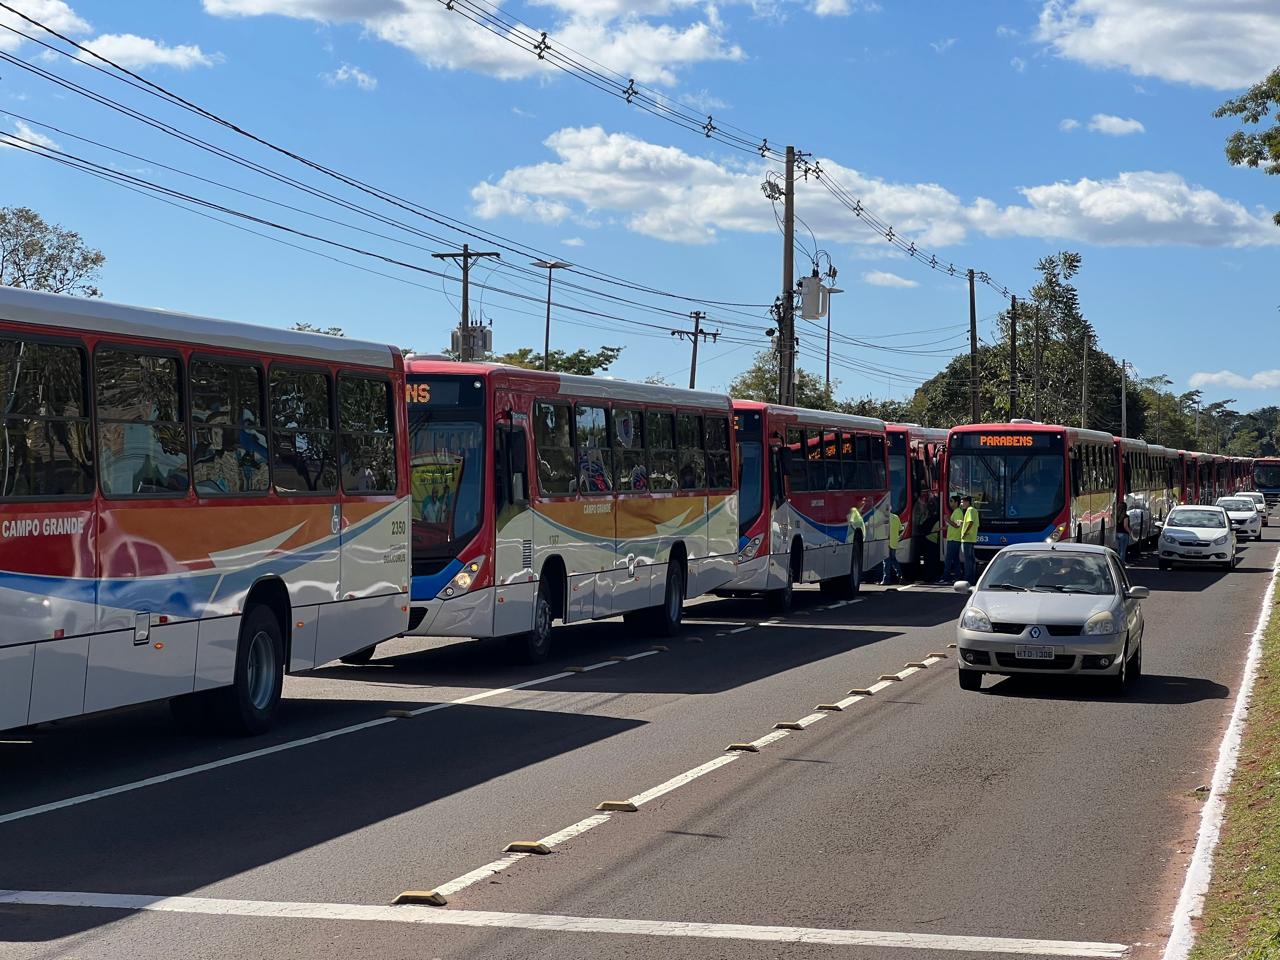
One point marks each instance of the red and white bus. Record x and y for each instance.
(1035, 482)
(915, 489)
(540, 496)
(189, 508)
(814, 500)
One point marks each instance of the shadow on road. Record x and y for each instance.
(1151, 688)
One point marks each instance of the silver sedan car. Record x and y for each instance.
(1061, 608)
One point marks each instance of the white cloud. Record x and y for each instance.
(24, 132)
(1018, 64)
(882, 278)
(1068, 124)
(349, 73)
(574, 242)
(663, 192)
(1115, 126)
(1006, 32)
(612, 32)
(1224, 44)
(1262, 380)
(137, 53)
(841, 8)
(942, 46)
(524, 114)
(55, 13)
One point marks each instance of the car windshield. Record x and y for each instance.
(1237, 503)
(1049, 572)
(1196, 518)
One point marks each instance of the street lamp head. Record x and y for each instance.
(549, 264)
(831, 290)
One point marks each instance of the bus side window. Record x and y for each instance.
(302, 454)
(553, 438)
(689, 441)
(595, 455)
(513, 467)
(849, 462)
(879, 472)
(1075, 471)
(719, 470)
(142, 433)
(628, 446)
(660, 439)
(228, 436)
(797, 467)
(780, 466)
(368, 444)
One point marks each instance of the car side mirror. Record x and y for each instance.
(1138, 593)
(962, 586)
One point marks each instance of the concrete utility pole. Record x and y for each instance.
(469, 339)
(1124, 397)
(549, 266)
(1013, 357)
(696, 335)
(974, 416)
(787, 316)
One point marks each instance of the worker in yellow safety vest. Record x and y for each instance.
(951, 526)
(892, 570)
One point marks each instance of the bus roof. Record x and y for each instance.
(576, 385)
(825, 417)
(76, 315)
(914, 430)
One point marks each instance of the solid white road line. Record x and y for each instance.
(1191, 900)
(288, 745)
(742, 629)
(551, 923)
(653, 793)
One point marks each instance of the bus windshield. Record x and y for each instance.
(1023, 484)
(898, 472)
(446, 465)
(1266, 475)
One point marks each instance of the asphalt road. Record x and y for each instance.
(1036, 810)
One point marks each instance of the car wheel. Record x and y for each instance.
(1135, 666)
(970, 679)
(1119, 683)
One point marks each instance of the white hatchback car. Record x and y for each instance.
(1260, 502)
(1197, 535)
(1244, 516)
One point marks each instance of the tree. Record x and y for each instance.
(760, 382)
(580, 361)
(1255, 147)
(312, 328)
(37, 255)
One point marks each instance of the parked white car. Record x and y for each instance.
(1260, 502)
(1197, 535)
(1244, 516)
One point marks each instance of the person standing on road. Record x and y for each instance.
(969, 537)
(1124, 532)
(892, 570)
(951, 538)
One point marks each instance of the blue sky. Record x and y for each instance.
(990, 138)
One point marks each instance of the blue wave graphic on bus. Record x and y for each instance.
(428, 586)
(1004, 539)
(839, 531)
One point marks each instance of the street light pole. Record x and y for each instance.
(831, 292)
(549, 266)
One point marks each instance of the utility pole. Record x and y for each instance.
(1013, 357)
(787, 318)
(550, 266)
(1035, 376)
(1084, 389)
(973, 352)
(696, 335)
(467, 335)
(1124, 397)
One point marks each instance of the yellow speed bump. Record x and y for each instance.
(621, 806)
(421, 897)
(951, 646)
(861, 692)
(744, 747)
(399, 714)
(788, 725)
(889, 676)
(660, 647)
(941, 656)
(575, 669)
(918, 663)
(617, 659)
(834, 707)
(527, 846)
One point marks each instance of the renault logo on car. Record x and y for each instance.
(1035, 633)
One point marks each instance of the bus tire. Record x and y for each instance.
(855, 571)
(248, 706)
(783, 598)
(669, 617)
(360, 657)
(534, 646)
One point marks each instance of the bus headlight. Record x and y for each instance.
(1056, 534)
(751, 549)
(463, 579)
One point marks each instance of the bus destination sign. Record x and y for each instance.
(1006, 440)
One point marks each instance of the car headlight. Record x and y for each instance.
(751, 549)
(974, 619)
(463, 579)
(1222, 539)
(1100, 624)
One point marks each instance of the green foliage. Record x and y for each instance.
(1255, 147)
(305, 327)
(580, 361)
(36, 255)
(760, 382)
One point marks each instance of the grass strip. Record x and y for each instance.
(1241, 918)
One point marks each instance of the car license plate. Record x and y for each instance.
(1028, 652)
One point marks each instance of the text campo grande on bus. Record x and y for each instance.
(42, 527)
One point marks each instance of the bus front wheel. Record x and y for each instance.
(535, 645)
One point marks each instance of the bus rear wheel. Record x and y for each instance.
(248, 706)
(668, 618)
